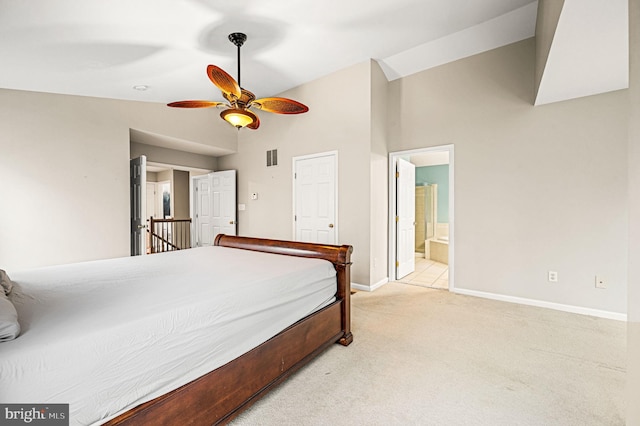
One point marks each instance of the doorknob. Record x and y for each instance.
(231, 223)
(331, 225)
(142, 226)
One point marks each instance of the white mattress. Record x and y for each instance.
(105, 336)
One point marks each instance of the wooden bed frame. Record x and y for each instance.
(220, 395)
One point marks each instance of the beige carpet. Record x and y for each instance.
(430, 357)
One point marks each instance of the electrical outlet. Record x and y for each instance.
(553, 276)
(600, 282)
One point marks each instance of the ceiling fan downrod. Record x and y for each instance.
(238, 39)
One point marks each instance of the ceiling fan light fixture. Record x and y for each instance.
(238, 117)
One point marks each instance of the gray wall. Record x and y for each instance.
(536, 188)
(379, 177)
(173, 157)
(356, 128)
(633, 326)
(64, 172)
(180, 193)
(339, 119)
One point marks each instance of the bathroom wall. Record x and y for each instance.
(439, 175)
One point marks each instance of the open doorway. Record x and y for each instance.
(166, 221)
(431, 191)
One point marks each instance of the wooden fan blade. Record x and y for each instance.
(223, 81)
(194, 104)
(255, 124)
(280, 105)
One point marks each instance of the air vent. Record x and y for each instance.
(272, 158)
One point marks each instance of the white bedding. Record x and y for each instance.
(105, 336)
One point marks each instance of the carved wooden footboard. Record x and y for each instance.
(220, 395)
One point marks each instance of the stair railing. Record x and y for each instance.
(169, 234)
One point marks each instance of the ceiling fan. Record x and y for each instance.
(239, 100)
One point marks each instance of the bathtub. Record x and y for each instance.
(437, 249)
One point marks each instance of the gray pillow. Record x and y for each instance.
(5, 282)
(9, 326)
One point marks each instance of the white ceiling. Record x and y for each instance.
(104, 48)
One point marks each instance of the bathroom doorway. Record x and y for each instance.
(434, 231)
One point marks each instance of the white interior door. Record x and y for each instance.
(223, 202)
(203, 207)
(315, 199)
(138, 201)
(405, 218)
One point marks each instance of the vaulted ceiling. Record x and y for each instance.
(157, 50)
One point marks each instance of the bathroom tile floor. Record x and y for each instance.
(428, 273)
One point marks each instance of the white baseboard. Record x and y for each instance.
(541, 304)
(373, 287)
(360, 287)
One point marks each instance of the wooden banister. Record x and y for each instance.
(169, 234)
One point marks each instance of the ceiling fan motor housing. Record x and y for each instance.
(237, 38)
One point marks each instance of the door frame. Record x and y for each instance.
(333, 154)
(193, 207)
(393, 159)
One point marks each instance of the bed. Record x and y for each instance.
(191, 337)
